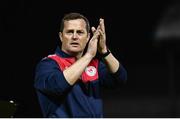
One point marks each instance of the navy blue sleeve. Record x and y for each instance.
(49, 78)
(112, 80)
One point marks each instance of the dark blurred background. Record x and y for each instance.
(143, 35)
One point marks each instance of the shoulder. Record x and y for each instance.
(46, 62)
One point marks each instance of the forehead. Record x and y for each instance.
(75, 24)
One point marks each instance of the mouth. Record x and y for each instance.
(74, 44)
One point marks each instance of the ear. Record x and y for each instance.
(60, 36)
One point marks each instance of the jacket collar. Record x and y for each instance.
(60, 53)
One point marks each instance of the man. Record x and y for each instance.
(68, 82)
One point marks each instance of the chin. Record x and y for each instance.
(75, 50)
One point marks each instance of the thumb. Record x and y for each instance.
(93, 29)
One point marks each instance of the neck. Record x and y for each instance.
(77, 55)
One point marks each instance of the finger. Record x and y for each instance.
(101, 32)
(102, 25)
(93, 29)
(96, 34)
(98, 27)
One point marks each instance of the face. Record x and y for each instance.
(74, 36)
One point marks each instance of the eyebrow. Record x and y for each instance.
(71, 30)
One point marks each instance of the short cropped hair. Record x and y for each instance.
(73, 16)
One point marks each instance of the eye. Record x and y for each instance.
(80, 32)
(70, 31)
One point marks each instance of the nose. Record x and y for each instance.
(75, 35)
